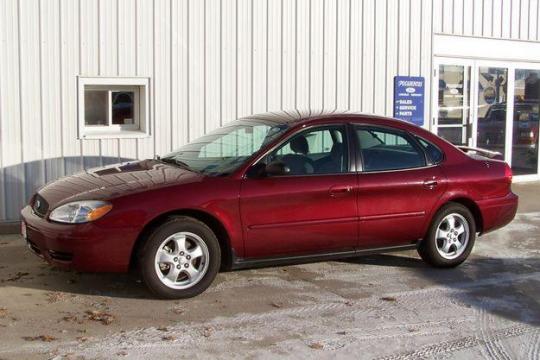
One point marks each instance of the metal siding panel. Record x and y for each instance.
(368, 61)
(404, 37)
(506, 25)
(515, 14)
(3, 115)
(468, 17)
(357, 25)
(329, 53)
(244, 74)
(524, 20)
(343, 46)
(426, 57)
(13, 171)
(437, 16)
(317, 55)
(212, 66)
(478, 17)
(69, 69)
(447, 16)
(303, 38)
(50, 60)
(487, 21)
(228, 79)
(533, 19)
(31, 97)
(108, 64)
(457, 27)
(145, 67)
(415, 38)
(127, 57)
(244, 51)
(274, 54)
(179, 73)
(497, 18)
(380, 55)
(259, 55)
(89, 66)
(162, 66)
(288, 74)
(392, 34)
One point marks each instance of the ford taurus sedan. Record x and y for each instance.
(271, 189)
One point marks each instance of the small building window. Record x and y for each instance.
(113, 107)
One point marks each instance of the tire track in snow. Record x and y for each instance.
(430, 351)
(492, 344)
(533, 352)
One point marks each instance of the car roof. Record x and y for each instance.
(296, 116)
(303, 117)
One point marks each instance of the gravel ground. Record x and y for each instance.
(387, 306)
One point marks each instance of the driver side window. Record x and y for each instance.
(315, 151)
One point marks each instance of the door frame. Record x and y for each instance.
(475, 64)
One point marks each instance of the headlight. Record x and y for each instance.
(80, 212)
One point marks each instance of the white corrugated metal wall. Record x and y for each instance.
(209, 61)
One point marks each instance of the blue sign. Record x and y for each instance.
(409, 99)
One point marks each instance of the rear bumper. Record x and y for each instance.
(498, 212)
(82, 247)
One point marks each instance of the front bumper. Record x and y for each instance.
(498, 212)
(83, 247)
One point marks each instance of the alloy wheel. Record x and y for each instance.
(452, 236)
(182, 260)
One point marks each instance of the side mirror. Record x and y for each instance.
(276, 168)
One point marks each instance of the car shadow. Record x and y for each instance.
(506, 287)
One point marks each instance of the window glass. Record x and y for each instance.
(122, 107)
(525, 124)
(223, 150)
(241, 141)
(317, 151)
(385, 150)
(434, 153)
(95, 107)
(492, 94)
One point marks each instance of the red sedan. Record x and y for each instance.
(270, 189)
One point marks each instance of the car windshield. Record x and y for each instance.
(224, 150)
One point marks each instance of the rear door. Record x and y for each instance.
(398, 187)
(310, 210)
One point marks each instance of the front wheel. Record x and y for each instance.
(180, 258)
(450, 237)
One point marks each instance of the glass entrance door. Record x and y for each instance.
(491, 108)
(490, 104)
(453, 103)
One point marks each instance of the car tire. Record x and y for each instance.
(450, 238)
(180, 258)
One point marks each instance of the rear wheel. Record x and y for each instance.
(180, 258)
(450, 238)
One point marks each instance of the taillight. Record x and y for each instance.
(507, 173)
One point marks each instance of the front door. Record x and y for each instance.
(312, 208)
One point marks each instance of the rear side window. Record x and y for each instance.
(434, 153)
(383, 150)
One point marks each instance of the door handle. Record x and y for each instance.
(340, 191)
(430, 184)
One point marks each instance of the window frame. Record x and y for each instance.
(351, 163)
(407, 135)
(140, 127)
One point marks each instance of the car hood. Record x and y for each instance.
(115, 181)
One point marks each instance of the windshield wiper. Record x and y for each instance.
(177, 163)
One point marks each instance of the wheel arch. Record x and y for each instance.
(209, 220)
(473, 208)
